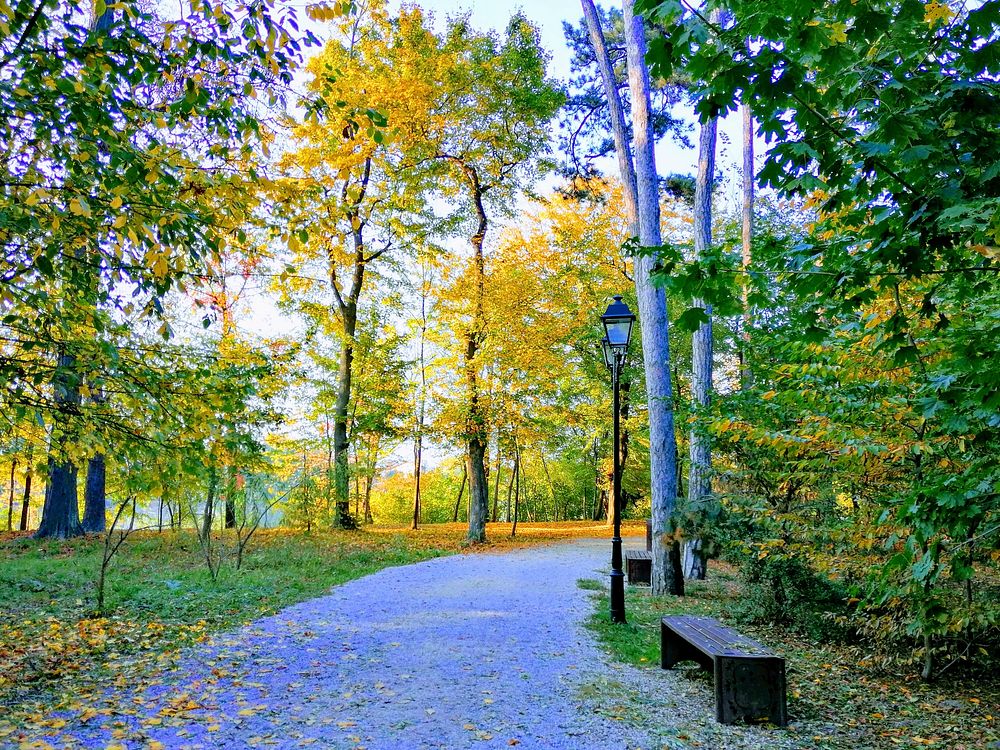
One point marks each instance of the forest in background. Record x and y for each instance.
(825, 414)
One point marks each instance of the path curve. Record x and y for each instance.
(467, 651)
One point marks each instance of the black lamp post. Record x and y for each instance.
(617, 321)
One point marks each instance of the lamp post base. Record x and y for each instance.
(617, 582)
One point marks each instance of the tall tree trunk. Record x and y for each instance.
(61, 511)
(94, 498)
(341, 444)
(749, 185)
(699, 446)
(347, 307)
(421, 398)
(510, 491)
(10, 506)
(206, 525)
(548, 481)
(652, 310)
(599, 493)
(26, 497)
(367, 507)
(95, 487)
(417, 460)
(476, 427)
(230, 520)
(496, 483)
(516, 480)
(461, 491)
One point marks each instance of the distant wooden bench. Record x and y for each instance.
(749, 678)
(639, 566)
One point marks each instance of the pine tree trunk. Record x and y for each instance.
(652, 314)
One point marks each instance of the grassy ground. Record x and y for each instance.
(832, 701)
(55, 649)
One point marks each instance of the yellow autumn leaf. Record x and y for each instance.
(79, 207)
(937, 12)
(116, 202)
(838, 33)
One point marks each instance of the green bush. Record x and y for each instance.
(784, 590)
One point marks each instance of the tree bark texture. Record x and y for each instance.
(700, 450)
(94, 489)
(652, 313)
(61, 511)
(341, 444)
(94, 507)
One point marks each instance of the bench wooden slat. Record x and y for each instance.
(749, 677)
(714, 639)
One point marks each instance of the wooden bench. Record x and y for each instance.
(639, 567)
(749, 678)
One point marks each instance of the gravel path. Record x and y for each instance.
(470, 651)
